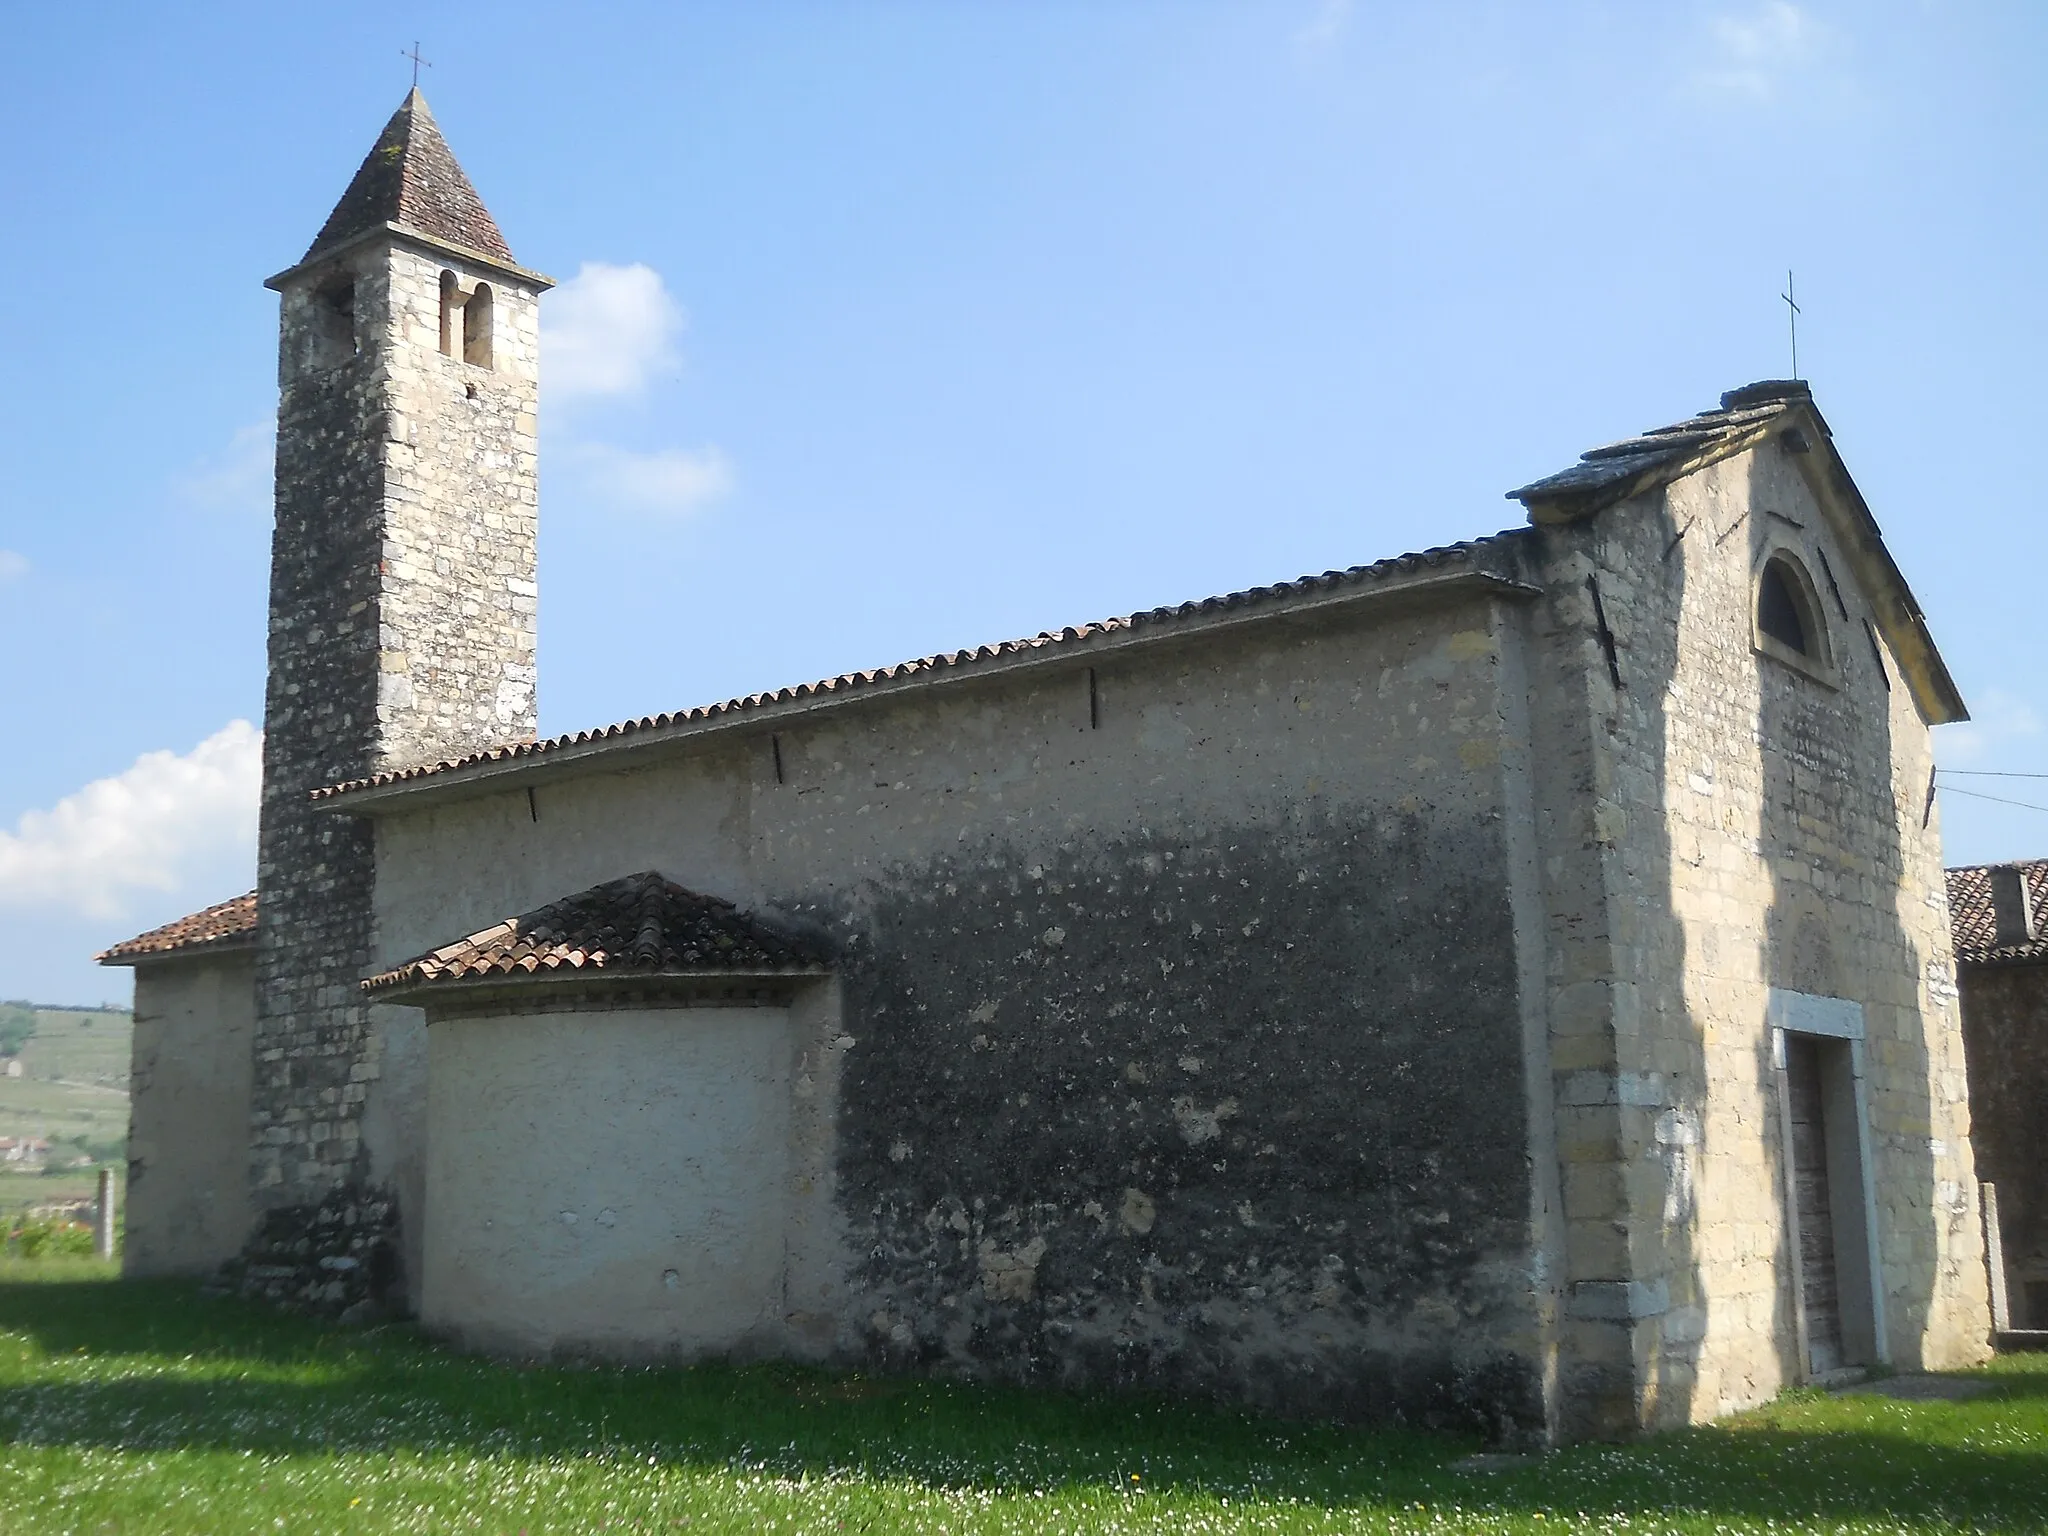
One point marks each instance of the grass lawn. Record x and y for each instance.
(145, 1407)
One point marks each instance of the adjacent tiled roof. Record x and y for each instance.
(642, 925)
(1621, 469)
(411, 178)
(1469, 552)
(1973, 924)
(230, 925)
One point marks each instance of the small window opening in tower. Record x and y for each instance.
(1785, 611)
(476, 327)
(334, 324)
(451, 311)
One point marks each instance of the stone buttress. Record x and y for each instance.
(402, 615)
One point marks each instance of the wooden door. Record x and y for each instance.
(1820, 1296)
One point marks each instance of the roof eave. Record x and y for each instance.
(2000, 962)
(469, 256)
(617, 750)
(195, 950)
(432, 993)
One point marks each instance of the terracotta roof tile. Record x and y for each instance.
(1466, 552)
(411, 177)
(229, 925)
(1974, 925)
(644, 925)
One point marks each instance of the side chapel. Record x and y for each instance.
(1506, 984)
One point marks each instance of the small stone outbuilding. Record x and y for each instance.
(2000, 913)
(189, 1207)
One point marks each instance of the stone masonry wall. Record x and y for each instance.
(1177, 1037)
(401, 630)
(2005, 1027)
(1747, 827)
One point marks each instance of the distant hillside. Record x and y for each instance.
(80, 1045)
(73, 1092)
(21, 1002)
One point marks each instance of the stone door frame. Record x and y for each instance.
(1851, 1172)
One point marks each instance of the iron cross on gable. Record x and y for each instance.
(413, 53)
(1791, 317)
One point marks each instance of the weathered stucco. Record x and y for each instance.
(189, 1209)
(1179, 1036)
(610, 1181)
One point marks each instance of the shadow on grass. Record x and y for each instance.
(149, 1366)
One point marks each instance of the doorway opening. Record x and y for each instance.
(1829, 1203)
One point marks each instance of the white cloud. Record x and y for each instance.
(1750, 53)
(237, 479)
(12, 566)
(1997, 720)
(670, 482)
(152, 827)
(606, 329)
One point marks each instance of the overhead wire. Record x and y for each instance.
(1994, 799)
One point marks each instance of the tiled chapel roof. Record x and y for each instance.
(1973, 923)
(641, 925)
(229, 925)
(1471, 552)
(411, 178)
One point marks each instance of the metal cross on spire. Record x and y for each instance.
(414, 54)
(1792, 317)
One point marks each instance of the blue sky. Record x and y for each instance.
(889, 328)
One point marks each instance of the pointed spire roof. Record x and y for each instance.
(411, 178)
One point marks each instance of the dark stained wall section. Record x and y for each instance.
(1243, 1116)
(2005, 1038)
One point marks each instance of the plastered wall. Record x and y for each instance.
(1178, 1038)
(610, 1181)
(189, 1209)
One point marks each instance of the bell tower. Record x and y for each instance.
(402, 610)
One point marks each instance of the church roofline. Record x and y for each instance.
(1486, 566)
(1748, 418)
(540, 282)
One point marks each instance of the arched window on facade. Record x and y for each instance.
(1788, 615)
(476, 327)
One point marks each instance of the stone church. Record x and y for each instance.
(1506, 984)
